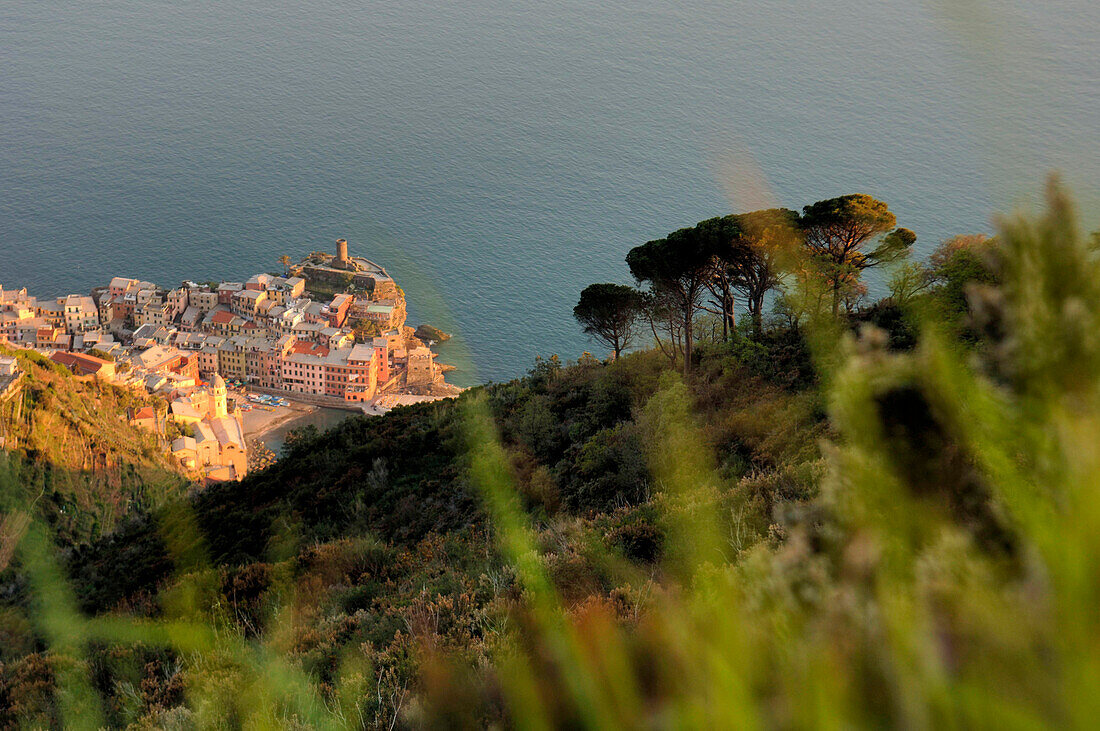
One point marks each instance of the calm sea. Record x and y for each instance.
(497, 156)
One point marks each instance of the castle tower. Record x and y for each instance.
(342, 253)
(221, 408)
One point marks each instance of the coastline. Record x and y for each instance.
(257, 423)
(325, 361)
(265, 431)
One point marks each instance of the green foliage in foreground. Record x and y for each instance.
(907, 536)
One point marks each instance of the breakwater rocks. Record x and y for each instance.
(427, 332)
(259, 456)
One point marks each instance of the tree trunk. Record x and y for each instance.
(758, 315)
(688, 335)
(661, 346)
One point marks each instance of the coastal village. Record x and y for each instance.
(329, 332)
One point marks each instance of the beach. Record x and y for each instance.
(258, 422)
(265, 429)
(269, 427)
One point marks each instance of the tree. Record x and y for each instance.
(366, 330)
(609, 313)
(957, 265)
(766, 239)
(911, 279)
(663, 316)
(677, 269)
(837, 233)
(722, 236)
(285, 261)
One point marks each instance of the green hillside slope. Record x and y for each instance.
(377, 519)
(77, 462)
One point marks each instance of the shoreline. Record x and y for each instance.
(262, 428)
(265, 431)
(268, 421)
(257, 425)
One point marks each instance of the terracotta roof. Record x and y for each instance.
(79, 361)
(303, 347)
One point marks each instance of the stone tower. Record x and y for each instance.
(342, 253)
(221, 408)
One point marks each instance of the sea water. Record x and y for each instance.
(498, 156)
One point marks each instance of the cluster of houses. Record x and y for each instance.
(46, 323)
(211, 441)
(217, 446)
(264, 332)
(264, 305)
(185, 343)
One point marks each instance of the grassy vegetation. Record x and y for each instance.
(325, 290)
(77, 460)
(886, 519)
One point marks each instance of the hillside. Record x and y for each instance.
(378, 517)
(76, 460)
(884, 518)
(573, 434)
